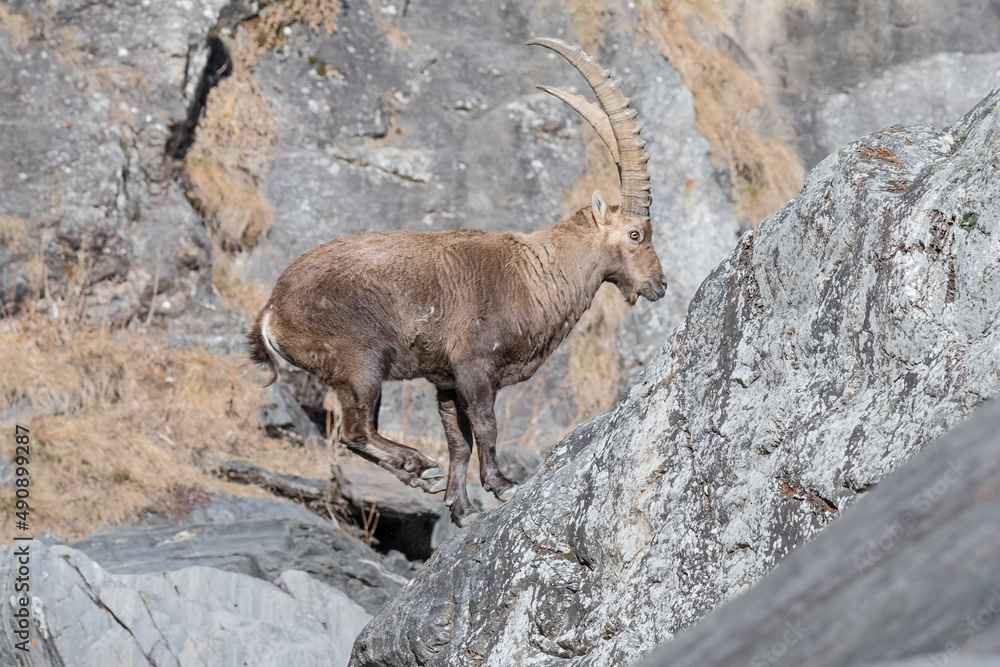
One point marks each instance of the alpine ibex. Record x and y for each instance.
(468, 310)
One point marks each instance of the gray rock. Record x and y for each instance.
(94, 92)
(908, 577)
(223, 508)
(282, 417)
(82, 615)
(260, 538)
(850, 329)
(805, 53)
(304, 490)
(936, 90)
(361, 483)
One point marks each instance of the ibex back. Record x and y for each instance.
(470, 311)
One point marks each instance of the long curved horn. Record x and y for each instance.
(593, 113)
(632, 158)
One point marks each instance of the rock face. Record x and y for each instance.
(90, 96)
(907, 577)
(257, 537)
(846, 332)
(815, 53)
(195, 615)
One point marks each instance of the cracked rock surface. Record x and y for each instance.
(908, 578)
(193, 616)
(851, 328)
(236, 581)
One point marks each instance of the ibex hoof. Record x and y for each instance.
(464, 520)
(507, 493)
(437, 486)
(432, 472)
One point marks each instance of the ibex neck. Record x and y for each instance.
(567, 266)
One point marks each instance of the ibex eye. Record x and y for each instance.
(634, 235)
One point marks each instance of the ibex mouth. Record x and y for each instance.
(654, 290)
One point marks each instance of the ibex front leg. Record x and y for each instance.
(479, 396)
(458, 433)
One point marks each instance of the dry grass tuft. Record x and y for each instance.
(397, 38)
(233, 140)
(269, 28)
(730, 103)
(235, 214)
(595, 369)
(588, 18)
(244, 298)
(13, 233)
(17, 27)
(123, 426)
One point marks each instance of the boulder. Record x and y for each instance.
(908, 577)
(846, 332)
(192, 616)
(257, 537)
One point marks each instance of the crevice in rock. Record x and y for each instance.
(218, 67)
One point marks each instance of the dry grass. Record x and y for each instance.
(588, 18)
(731, 107)
(233, 140)
(245, 298)
(125, 425)
(17, 27)
(268, 28)
(595, 369)
(394, 35)
(235, 214)
(13, 233)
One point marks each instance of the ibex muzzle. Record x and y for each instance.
(468, 310)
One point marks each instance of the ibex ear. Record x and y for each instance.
(598, 207)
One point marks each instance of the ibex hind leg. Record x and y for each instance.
(359, 432)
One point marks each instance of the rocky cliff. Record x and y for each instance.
(908, 578)
(842, 335)
(239, 581)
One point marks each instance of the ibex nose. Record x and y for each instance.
(659, 286)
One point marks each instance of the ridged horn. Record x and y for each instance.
(621, 117)
(593, 113)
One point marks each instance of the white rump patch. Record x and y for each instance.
(271, 343)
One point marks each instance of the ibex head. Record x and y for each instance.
(626, 232)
